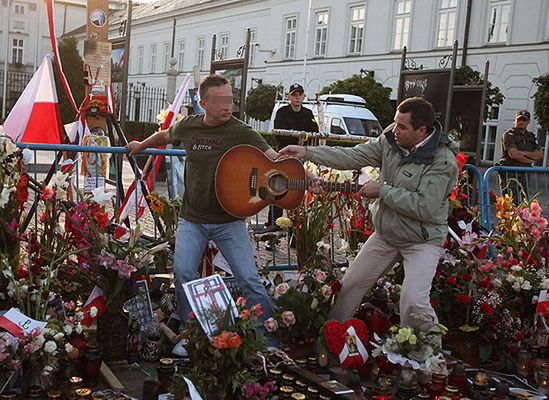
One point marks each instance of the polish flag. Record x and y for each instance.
(542, 307)
(95, 300)
(134, 191)
(35, 117)
(18, 324)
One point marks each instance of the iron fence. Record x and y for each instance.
(17, 81)
(144, 103)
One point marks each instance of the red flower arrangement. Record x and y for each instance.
(347, 342)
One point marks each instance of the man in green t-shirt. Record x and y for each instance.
(206, 138)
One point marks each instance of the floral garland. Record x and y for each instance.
(346, 342)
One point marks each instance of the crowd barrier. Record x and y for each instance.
(480, 188)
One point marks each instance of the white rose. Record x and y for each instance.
(68, 347)
(58, 336)
(516, 287)
(544, 284)
(510, 278)
(27, 156)
(497, 282)
(67, 329)
(10, 147)
(516, 268)
(39, 341)
(78, 329)
(526, 285)
(50, 346)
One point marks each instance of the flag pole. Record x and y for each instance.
(5, 87)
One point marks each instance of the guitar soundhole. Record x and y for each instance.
(278, 183)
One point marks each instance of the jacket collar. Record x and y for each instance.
(426, 153)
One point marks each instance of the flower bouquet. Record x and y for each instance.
(302, 309)
(422, 350)
(221, 367)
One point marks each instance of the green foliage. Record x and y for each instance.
(376, 95)
(466, 76)
(541, 101)
(260, 102)
(137, 130)
(73, 66)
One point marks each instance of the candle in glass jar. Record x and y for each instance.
(323, 359)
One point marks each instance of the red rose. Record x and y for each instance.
(451, 280)
(486, 308)
(464, 299)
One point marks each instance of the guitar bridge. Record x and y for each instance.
(252, 182)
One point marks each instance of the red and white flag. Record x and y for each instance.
(35, 117)
(130, 199)
(543, 303)
(95, 300)
(18, 324)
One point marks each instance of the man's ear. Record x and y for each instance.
(201, 102)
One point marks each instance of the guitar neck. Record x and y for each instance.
(303, 184)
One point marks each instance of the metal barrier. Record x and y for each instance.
(531, 182)
(478, 187)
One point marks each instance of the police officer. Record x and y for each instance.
(520, 148)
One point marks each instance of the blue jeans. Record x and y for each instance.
(233, 241)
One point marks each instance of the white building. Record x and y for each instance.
(338, 38)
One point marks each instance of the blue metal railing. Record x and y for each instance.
(479, 187)
(534, 182)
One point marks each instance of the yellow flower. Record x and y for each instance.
(284, 222)
(155, 204)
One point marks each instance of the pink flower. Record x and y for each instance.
(288, 318)
(3, 356)
(320, 276)
(241, 301)
(124, 269)
(48, 193)
(281, 289)
(270, 325)
(326, 291)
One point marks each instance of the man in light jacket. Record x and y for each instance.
(418, 173)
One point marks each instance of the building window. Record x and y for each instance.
(223, 46)
(180, 54)
(253, 46)
(200, 52)
(447, 23)
(499, 21)
(357, 29)
(153, 58)
(19, 9)
(488, 142)
(290, 37)
(402, 23)
(17, 51)
(167, 54)
(140, 52)
(321, 33)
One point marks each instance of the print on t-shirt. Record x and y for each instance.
(201, 143)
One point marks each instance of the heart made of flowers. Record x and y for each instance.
(337, 335)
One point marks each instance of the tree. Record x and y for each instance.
(376, 95)
(260, 102)
(541, 101)
(466, 76)
(73, 68)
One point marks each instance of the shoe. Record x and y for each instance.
(179, 349)
(272, 228)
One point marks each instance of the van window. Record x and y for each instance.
(337, 127)
(363, 127)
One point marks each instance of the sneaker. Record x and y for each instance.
(179, 349)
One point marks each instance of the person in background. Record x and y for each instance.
(418, 174)
(519, 148)
(292, 116)
(206, 138)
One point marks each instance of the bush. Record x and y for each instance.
(376, 95)
(541, 101)
(260, 102)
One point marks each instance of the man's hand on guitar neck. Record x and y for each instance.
(315, 182)
(291, 151)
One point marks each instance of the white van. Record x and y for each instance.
(343, 114)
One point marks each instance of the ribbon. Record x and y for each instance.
(359, 351)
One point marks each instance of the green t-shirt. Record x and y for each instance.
(205, 145)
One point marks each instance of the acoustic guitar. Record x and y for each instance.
(246, 181)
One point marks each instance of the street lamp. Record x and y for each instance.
(366, 72)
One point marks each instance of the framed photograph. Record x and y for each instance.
(210, 299)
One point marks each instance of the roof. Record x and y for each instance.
(157, 7)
